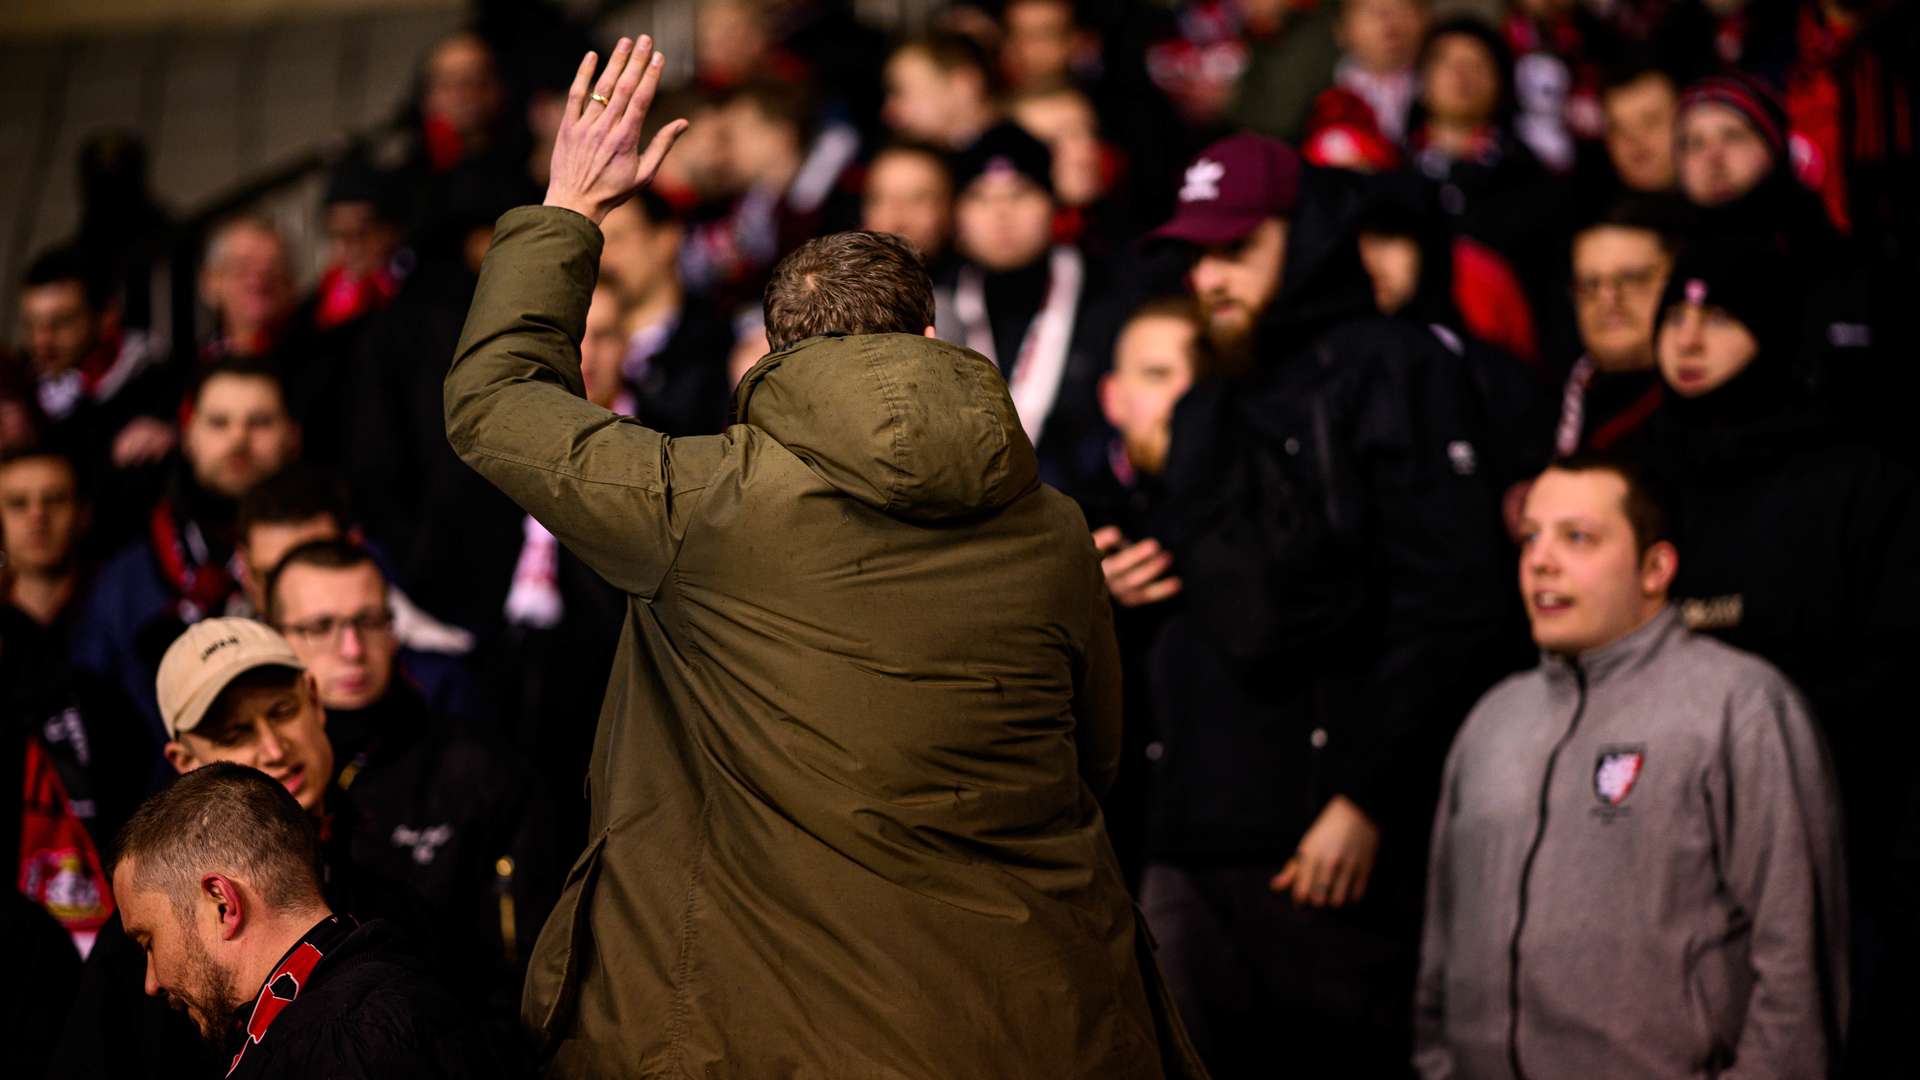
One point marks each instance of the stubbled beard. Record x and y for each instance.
(206, 995)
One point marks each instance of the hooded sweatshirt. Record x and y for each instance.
(1636, 871)
(843, 790)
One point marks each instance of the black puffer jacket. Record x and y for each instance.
(1347, 584)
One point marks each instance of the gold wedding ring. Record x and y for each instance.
(601, 98)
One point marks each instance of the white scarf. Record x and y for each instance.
(1042, 363)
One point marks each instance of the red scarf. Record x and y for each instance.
(283, 985)
(203, 586)
(59, 868)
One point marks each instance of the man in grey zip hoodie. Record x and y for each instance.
(1636, 866)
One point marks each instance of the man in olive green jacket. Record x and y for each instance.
(842, 790)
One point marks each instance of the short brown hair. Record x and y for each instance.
(326, 554)
(1205, 360)
(848, 283)
(1648, 505)
(230, 819)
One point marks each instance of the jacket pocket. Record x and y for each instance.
(1719, 985)
(553, 976)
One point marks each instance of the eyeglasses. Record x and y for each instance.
(328, 628)
(1637, 282)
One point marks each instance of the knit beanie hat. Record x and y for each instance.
(1005, 147)
(1756, 102)
(1746, 280)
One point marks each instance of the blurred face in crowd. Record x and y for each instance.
(180, 964)
(699, 164)
(1640, 131)
(1618, 273)
(1721, 156)
(61, 326)
(761, 149)
(267, 542)
(910, 193)
(1065, 121)
(461, 87)
(729, 40)
(359, 240)
(923, 101)
(40, 514)
(1004, 221)
(338, 622)
(239, 434)
(1382, 36)
(1040, 40)
(1583, 578)
(1152, 369)
(1235, 283)
(1393, 263)
(1461, 83)
(276, 726)
(638, 257)
(248, 281)
(1701, 348)
(603, 346)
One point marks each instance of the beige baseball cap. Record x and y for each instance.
(204, 660)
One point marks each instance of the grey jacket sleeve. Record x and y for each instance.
(1777, 820)
(1432, 1058)
(613, 491)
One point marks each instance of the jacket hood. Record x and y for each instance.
(914, 427)
(1322, 282)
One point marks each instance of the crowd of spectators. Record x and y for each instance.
(1296, 298)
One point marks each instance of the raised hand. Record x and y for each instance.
(597, 161)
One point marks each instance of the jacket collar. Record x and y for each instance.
(1618, 657)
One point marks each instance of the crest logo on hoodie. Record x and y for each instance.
(1615, 773)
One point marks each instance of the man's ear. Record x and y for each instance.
(180, 756)
(929, 332)
(230, 908)
(1657, 569)
(313, 695)
(1107, 400)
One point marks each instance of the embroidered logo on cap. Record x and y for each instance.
(1696, 291)
(1202, 182)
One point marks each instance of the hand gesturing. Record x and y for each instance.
(597, 162)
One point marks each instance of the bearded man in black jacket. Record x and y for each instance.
(1333, 516)
(218, 884)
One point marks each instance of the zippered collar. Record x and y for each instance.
(1618, 657)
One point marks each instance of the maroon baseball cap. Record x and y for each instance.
(1233, 186)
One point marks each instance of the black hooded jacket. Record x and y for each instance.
(1346, 577)
(1801, 544)
(1853, 345)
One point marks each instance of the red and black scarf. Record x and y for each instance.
(289, 977)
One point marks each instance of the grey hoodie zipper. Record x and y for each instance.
(1526, 876)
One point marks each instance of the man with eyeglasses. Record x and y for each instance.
(231, 690)
(1620, 264)
(435, 808)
